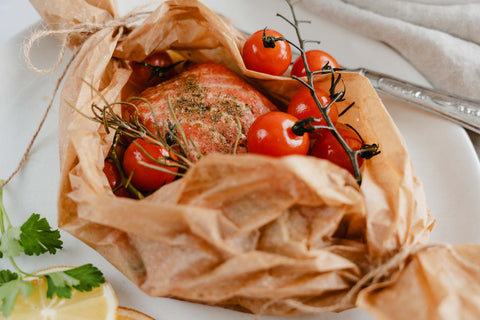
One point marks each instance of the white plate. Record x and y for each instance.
(440, 151)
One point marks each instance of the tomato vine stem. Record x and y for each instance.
(305, 125)
(158, 71)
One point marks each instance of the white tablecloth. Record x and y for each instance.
(34, 188)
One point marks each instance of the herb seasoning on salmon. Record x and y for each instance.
(208, 100)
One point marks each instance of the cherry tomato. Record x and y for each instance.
(328, 147)
(111, 173)
(143, 75)
(274, 61)
(303, 106)
(271, 134)
(114, 179)
(316, 60)
(145, 178)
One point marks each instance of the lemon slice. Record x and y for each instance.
(99, 304)
(129, 314)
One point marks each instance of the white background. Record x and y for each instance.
(440, 151)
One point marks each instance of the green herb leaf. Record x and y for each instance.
(37, 236)
(10, 287)
(60, 284)
(90, 277)
(7, 275)
(10, 242)
(83, 278)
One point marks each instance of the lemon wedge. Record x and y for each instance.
(130, 314)
(99, 304)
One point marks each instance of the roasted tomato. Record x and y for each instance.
(303, 106)
(152, 71)
(327, 146)
(316, 60)
(144, 177)
(274, 59)
(271, 134)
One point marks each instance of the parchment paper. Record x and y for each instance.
(253, 233)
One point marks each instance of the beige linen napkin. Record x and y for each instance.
(440, 38)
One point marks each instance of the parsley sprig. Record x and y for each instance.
(35, 237)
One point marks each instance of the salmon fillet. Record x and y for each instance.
(206, 99)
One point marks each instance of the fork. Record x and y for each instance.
(462, 111)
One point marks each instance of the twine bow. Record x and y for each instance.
(83, 30)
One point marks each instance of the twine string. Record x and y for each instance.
(374, 276)
(42, 121)
(85, 30)
(370, 278)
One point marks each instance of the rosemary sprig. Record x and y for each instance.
(239, 134)
(170, 135)
(166, 136)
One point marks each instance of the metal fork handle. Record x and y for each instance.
(459, 110)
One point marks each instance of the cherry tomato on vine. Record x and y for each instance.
(257, 57)
(328, 147)
(316, 60)
(271, 134)
(303, 106)
(143, 75)
(146, 178)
